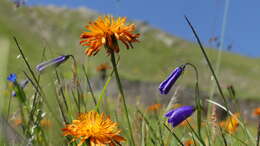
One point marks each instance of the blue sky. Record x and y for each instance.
(242, 26)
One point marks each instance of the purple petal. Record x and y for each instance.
(180, 114)
(169, 114)
(166, 85)
(54, 62)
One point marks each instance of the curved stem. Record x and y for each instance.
(197, 97)
(208, 62)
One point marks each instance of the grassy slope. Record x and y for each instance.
(151, 60)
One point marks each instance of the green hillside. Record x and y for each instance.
(152, 59)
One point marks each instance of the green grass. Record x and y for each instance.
(57, 31)
(151, 60)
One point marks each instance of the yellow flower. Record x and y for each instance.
(231, 124)
(106, 31)
(154, 107)
(98, 129)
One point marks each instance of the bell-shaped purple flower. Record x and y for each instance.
(166, 85)
(52, 63)
(176, 116)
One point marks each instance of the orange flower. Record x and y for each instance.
(16, 122)
(106, 32)
(154, 107)
(103, 66)
(188, 142)
(256, 111)
(45, 123)
(185, 122)
(98, 129)
(231, 124)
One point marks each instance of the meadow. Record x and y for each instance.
(51, 58)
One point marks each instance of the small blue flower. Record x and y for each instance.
(166, 85)
(54, 63)
(12, 78)
(176, 116)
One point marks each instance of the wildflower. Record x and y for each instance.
(185, 122)
(98, 129)
(103, 67)
(16, 122)
(188, 142)
(154, 107)
(256, 111)
(52, 63)
(166, 85)
(231, 124)
(12, 78)
(106, 31)
(176, 116)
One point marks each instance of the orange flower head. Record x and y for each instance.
(17, 122)
(98, 129)
(106, 31)
(103, 66)
(185, 122)
(256, 111)
(188, 142)
(154, 107)
(231, 124)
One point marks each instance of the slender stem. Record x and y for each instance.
(197, 98)
(199, 138)
(220, 48)
(38, 87)
(89, 85)
(223, 135)
(103, 91)
(122, 95)
(148, 123)
(9, 105)
(175, 136)
(208, 61)
(60, 91)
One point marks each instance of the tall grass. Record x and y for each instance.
(48, 106)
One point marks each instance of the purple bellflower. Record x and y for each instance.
(166, 85)
(52, 63)
(176, 116)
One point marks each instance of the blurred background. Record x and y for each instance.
(228, 29)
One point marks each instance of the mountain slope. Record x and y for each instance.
(152, 59)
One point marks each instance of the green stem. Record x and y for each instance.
(208, 61)
(89, 85)
(122, 95)
(174, 135)
(197, 98)
(103, 92)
